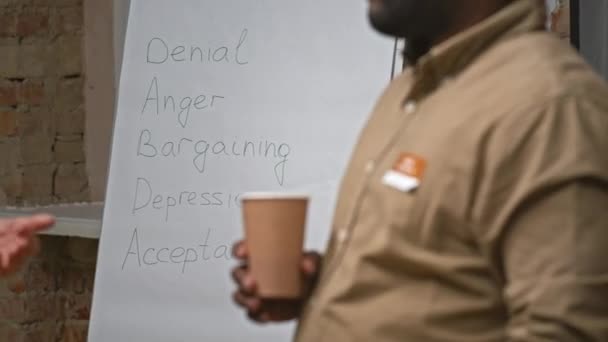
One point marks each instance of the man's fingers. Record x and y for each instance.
(16, 262)
(251, 304)
(310, 263)
(13, 256)
(239, 250)
(33, 224)
(237, 273)
(259, 317)
(244, 280)
(5, 259)
(17, 246)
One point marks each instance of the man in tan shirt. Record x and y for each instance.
(475, 207)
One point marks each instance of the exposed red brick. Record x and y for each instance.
(17, 286)
(33, 60)
(84, 252)
(70, 181)
(36, 150)
(10, 151)
(8, 123)
(77, 280)
(64, 3)
(8, 93)
(37, 181)
(43, 332)
(29, 24)
(31, 92)
(40, 278)
(48, 306)
(69, 20)
(35, 122)
(75, 331)
(13, 309)
(69, 151)
(10, 331)
(68, 59)
(12, 184)
(8, 25)
(78, 307)
(9, 54)
(40, 54)
(70, 122)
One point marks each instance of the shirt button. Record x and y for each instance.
(342, 236)
(370, 166)
(312, 300)
(410, 107)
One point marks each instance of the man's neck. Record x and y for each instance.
(471, 13)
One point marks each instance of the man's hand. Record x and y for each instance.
(18, 240)
(265, 311)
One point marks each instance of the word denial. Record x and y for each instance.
(160, 52)
(139, 255)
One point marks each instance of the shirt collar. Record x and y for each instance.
(455, 54)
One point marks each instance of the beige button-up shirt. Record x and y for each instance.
(475, 207)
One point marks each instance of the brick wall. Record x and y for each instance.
(51, 299)
(41, 102)
(42, 161)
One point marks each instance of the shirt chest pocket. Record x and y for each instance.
(388, 206)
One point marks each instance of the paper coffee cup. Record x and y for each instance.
(274, 233)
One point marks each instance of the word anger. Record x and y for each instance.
(181, 106)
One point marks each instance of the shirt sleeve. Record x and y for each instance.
(543, 220)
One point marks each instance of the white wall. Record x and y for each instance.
(594, 33)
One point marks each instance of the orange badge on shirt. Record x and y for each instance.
(410, 165)
(406, 174)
